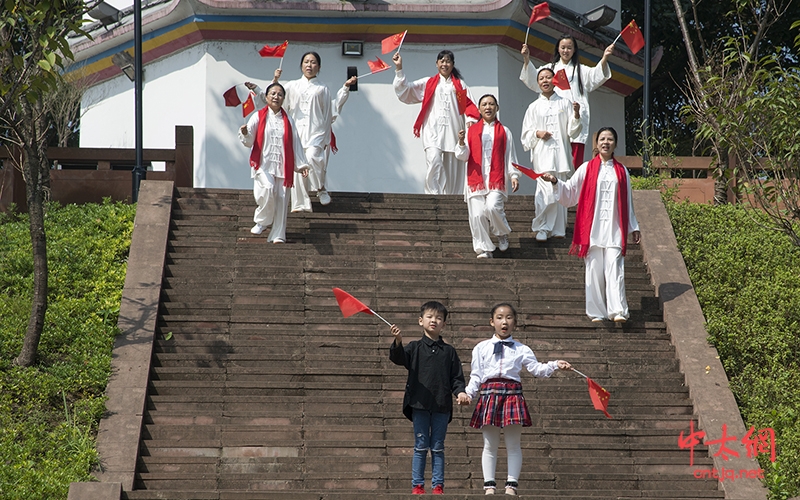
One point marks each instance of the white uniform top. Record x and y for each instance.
(309, 103)
(509, 364)
(592, 78)
(441, 125)
(606, 231)
(487, 141)
(272, 153)
(556, 116)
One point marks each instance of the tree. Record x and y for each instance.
(33, 49)
(742, 96)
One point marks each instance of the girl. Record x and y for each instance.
(489, 153)
(275, 157)
(604, 219)
(309, 103)
(582, 80)
(439, 120)
(496, 366)
(549, 124)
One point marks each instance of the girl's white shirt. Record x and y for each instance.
(509, 364)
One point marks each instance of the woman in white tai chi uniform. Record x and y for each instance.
(276, 155)
(439, 120)
(582, 80)
(601, 188)
(309, 103)
(489, 153)
(549, 124)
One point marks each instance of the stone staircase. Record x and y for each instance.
(259, 389)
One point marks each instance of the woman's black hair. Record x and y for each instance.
(447, 53)
(576, 66)
(545, 68)
(316, 56)
(275, 84)
(504, 304)
(489, 95)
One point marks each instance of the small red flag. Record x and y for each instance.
(390, 43)
(527, 171)
(248, 106)
(377, 65)
(349, 304)
(276, 51)
(633, 36)
(560, 79)
(599, 396)
(539, 12)
(231, 97)
(466, 106)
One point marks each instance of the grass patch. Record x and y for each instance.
(747, 280)
(49, 412)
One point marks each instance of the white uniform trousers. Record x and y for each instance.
(605, 283)
(318, 161)
(445, 174)
(487, 217)
(551, 216)
(270, 195)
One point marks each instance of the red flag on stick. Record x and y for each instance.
(248, 106)
(276, 51)
(390, 43)
(560, 79)
(599, 396)
(466, 106)
(633, 36)
(527, 171)
(539, 12)
(231, 97)
(377, 65)
(349, 304)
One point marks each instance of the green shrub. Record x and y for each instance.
(746, 278)
(49, 412)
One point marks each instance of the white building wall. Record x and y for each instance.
(377, 149)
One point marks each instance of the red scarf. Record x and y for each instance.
(427, 101)
(585, 212)
(497, 170)
(288, 145)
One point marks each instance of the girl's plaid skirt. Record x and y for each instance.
(501, 403)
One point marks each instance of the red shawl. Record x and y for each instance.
(288, 145)
(497, 170)
(427, 101)
(585, 212)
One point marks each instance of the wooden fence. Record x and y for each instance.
(87, 175)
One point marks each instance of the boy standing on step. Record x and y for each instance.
(434, 373)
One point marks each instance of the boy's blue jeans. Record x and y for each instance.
(430, 430)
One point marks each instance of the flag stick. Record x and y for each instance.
(615, 40)
(380, 317)
(401, 41)
(366, 74)
(579, 373)
(280, 65)
(526, 34)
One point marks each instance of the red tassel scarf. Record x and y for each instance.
(497, 170)
(288, 145)
(584, 216)
(427, 101)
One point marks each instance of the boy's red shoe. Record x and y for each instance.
(438, 489)
(418, 490)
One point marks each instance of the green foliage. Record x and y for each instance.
(49, 412)
(747, 282)
(657, 182)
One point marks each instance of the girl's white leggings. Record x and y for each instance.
(491, 441)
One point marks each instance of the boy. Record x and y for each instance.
(550, 123)
(434, 373)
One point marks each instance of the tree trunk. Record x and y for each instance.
(35, 172)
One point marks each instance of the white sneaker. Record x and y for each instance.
(620, 319)
(278, 240)
(257, 229)
(541, 236)
(485, 255)
(502, 242)
(324, 197)
(597, 320)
